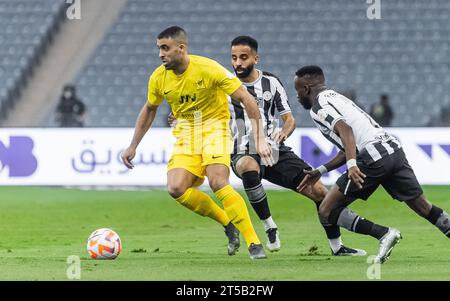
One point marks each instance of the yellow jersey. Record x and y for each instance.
(200, 92)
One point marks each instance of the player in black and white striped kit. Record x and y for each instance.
(373, 158)
(287, 171)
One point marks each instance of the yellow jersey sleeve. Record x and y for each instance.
(154, 96)
(224, 79)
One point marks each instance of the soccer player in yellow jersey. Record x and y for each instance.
(196, 89)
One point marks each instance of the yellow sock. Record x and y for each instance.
(202, 204)
(236, 210)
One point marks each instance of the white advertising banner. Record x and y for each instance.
(91, 156)
(81, 157)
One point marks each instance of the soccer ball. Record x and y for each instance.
(104, 244)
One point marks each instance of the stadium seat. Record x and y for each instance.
(403, 54)
(26, 28)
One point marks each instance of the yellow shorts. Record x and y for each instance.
(205, 146)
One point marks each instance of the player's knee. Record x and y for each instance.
(175, 190)
(322, 191)
(319, 192)
(246, 164)
(217, 183)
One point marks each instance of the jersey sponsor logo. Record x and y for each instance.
(383, 138)
(188, 98)
(165, 93)
(18, 156)
(330, 94)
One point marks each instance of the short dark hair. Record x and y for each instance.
(247, 41)
(173, 32)
(309, 70)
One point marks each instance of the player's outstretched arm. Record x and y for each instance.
(288, 127)
(263, 148)
(336, 162)
(143, 123)
(348, 140)
(312, 176)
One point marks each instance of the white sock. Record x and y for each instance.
(335, 244)
(269, 223)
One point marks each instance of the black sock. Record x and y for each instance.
(440, 219)
(346, 218)
(434, 214)
(331, 230)
(256, 194)
(367, 227)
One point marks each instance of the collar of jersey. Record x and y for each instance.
(258, 79)
(317, 97)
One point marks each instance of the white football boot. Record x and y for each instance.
(387, 243)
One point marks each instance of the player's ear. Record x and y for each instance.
(307, 89)
(256, 59)
(182, 47)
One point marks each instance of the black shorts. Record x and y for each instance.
(393, 172)
(287, 172)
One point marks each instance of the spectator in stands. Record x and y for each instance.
(445, 117)
(441, 119)
(70, 110)
(382, 111)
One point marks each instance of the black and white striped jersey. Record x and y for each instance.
(270, 95)
(371, 139)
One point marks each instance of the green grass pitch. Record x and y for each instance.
(40, 227)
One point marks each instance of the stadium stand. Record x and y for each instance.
(26, 30)
(404, 54)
